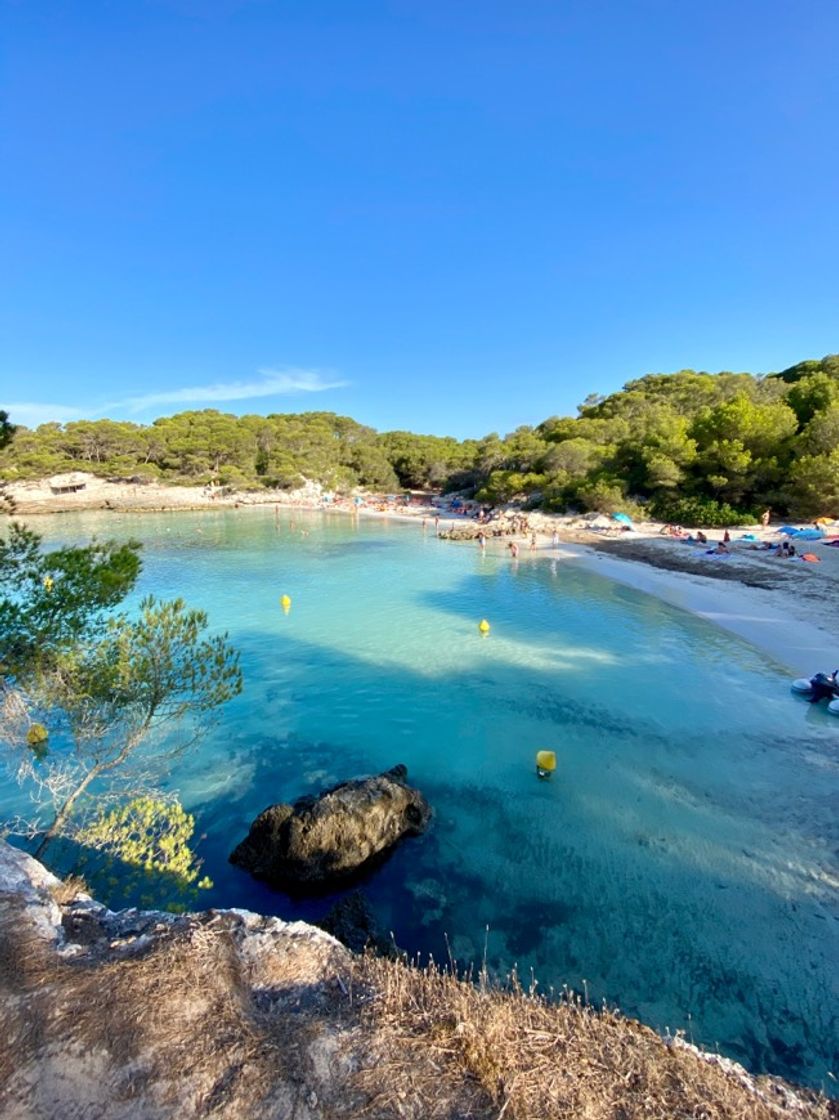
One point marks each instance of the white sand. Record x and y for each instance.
(793, 616)
(773, 620)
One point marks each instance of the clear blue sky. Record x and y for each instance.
(445, 215)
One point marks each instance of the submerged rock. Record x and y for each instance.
(351, 921)
(318, 841)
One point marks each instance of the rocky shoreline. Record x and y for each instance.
(150, 1016)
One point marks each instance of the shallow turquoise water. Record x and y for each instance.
(683, 862)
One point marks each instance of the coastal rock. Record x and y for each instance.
(352, 922)
(136, 1015)
(460, 533)
(227, 1014)
(319, 841)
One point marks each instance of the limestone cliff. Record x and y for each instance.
(227, 1014)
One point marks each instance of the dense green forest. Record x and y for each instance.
(688, 446)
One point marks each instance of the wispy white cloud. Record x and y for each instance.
(272, 383)
(31, 414)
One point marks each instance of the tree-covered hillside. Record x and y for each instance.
(693, 447)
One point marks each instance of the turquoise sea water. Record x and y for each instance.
(682, 864)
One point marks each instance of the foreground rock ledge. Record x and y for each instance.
(229, 1015)
(321, 841)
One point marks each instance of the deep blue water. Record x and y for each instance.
(684, 860)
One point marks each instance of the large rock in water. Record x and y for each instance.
(320, 841)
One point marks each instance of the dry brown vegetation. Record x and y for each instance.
(68, 890)
(181, 1027)
(526, 1059)
(218, 1016)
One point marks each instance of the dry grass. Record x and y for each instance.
(450, 1049)
(68, 890)
(176, 1024)
(206, 1020)
(171, 1013)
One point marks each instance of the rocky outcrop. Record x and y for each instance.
(227, 1014)
(140, 1015)
(462, 533)
(322, 841)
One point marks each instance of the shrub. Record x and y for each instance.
(701, 512)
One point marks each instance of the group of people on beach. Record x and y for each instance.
(723, 547)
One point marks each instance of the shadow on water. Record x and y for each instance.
(117, 883)
(571, 602)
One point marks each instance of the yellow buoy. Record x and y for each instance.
(36, 735)
(483, 626)
(285, 602)
(545, 763)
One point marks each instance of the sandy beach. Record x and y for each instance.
(787, 607)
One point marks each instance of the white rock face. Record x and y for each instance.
(29, 881)
(132, 1015)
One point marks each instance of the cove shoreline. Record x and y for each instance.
(794, 632)
(788, 610)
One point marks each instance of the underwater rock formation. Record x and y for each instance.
(353, 923)
(321, 841)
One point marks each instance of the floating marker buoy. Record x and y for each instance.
(545, 763)
(483, 626)
(36, 735)
(36, 740)
(285, 602)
